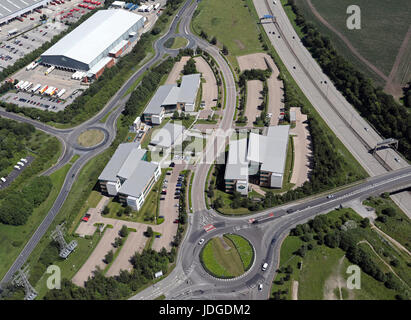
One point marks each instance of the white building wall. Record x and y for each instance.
(112, 188)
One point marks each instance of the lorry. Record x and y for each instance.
(42, 90)
(61, 92)
(49, 70)
(36, 87)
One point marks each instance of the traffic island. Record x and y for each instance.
(228, 256)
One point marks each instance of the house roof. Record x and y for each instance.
(117, 160)
(270, 150)
(135, 185)
(237, 164)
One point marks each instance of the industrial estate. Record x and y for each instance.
(213, 150)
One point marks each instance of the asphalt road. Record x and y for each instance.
(354, 132)
(189, 280)
(68, 138)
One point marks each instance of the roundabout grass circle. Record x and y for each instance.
(90, 138)
(228, 256)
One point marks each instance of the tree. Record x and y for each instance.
(109, 257)
(190, 67)
(365, 223)
(225, 50)
(127, 210)
(149, 232)
(214, 40)
(390, 211)
(123, 231)
(106, 210)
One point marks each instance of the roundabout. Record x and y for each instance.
(91, 138)
(227, 256)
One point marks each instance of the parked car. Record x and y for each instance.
(86, 217)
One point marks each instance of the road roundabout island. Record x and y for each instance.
(227, 256)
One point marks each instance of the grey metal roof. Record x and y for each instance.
(270, 150)
(9, 7)
(154, 106)
(237, 164)
(135, 185)
(189, 87)
(86, 42)
(167, 135)
(117, 160)
(131, 163)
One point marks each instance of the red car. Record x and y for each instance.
(271, 214)
(86, 217)
(176, 221)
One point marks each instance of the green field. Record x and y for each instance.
(232, 24)
(226, 260)
(384, 25)
(176, 43)
(323, 269)
(14, 238)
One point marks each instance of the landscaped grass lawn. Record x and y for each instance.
(149, 210)
(232, 24)
(179, 43)
(244, 249)
(90, 138)
(73, 263)
(219, 261)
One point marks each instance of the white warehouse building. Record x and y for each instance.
(16, 8)
(89, 45)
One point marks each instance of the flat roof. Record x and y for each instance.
(130, 164)
(167, 135)
(135, 185)
(270, 150)
(117, 160)
(8, 7)
(154, 106)
(99, 65)
(189, 87)
(237, 164)
(119, 46)
(86, 42)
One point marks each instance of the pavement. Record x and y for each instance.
(254, 100)
(302, 149)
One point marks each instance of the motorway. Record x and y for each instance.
(354, 132)
(188, 280)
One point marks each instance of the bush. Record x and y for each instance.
(123, 231)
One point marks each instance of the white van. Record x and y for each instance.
(3, 179)
(23, 160)
(265, 266)
(21, 164)
(17, 167)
